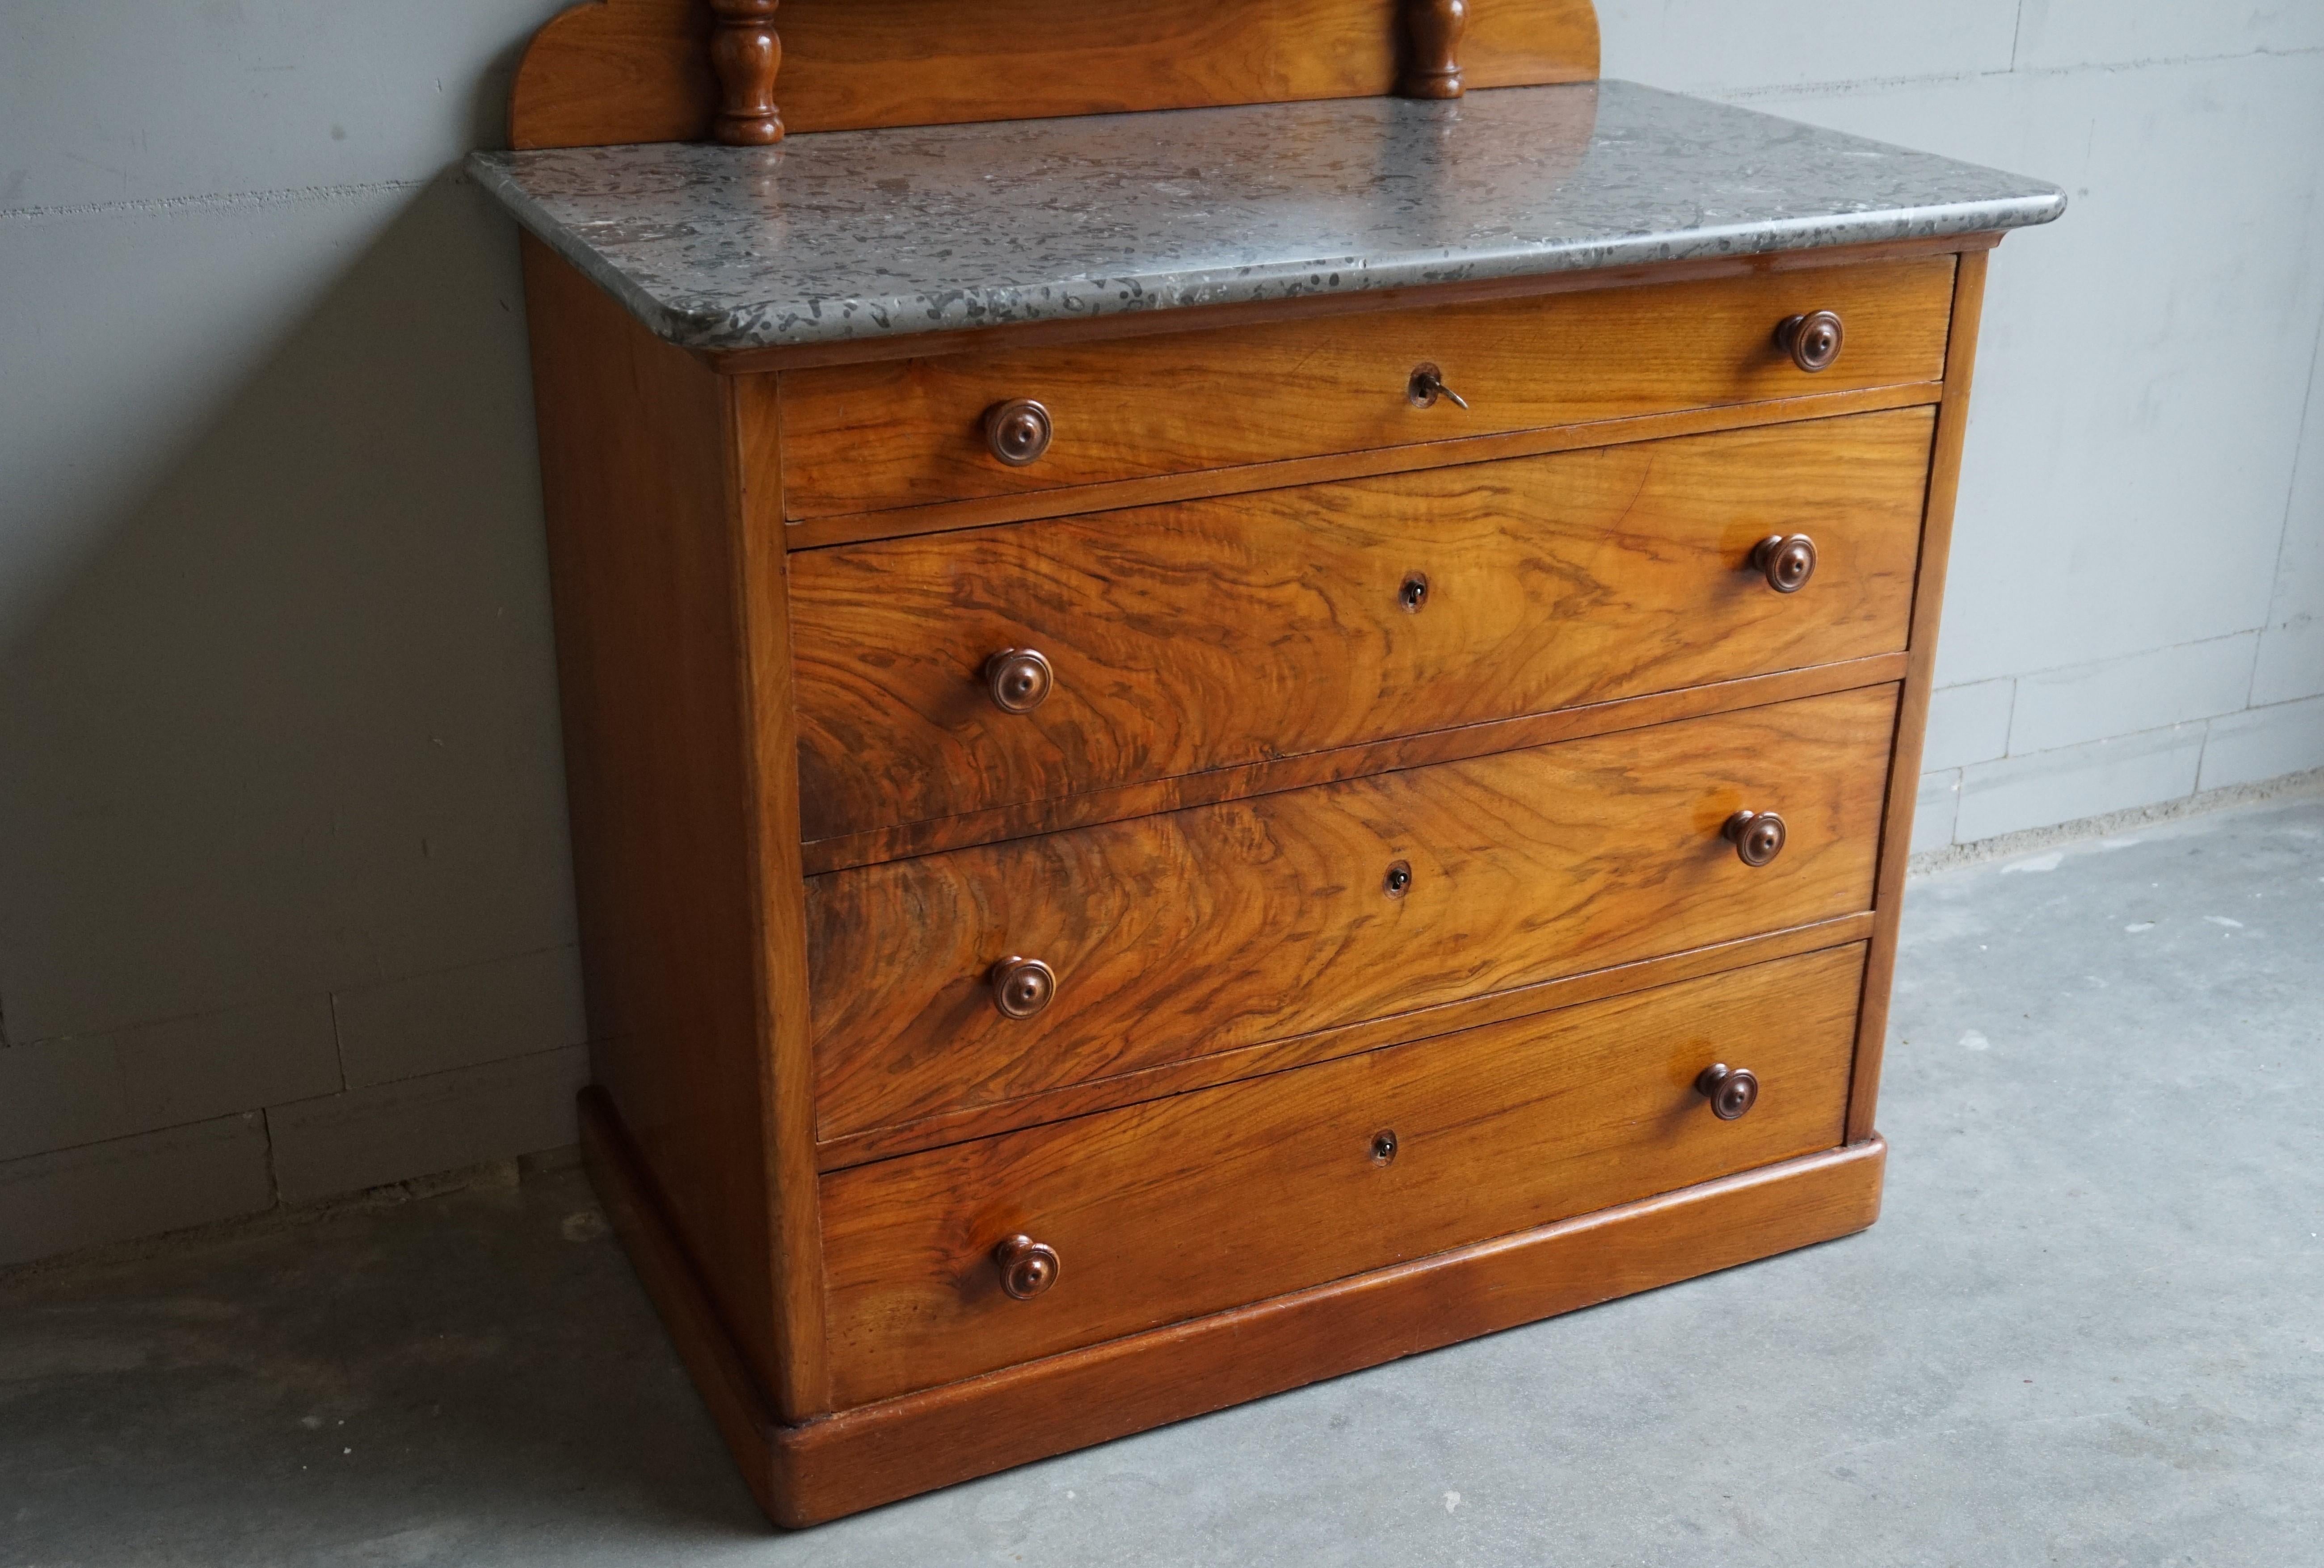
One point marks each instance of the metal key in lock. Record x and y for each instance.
(1427, 384)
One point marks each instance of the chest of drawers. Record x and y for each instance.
(1145, 839)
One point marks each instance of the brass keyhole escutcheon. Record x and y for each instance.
(1413, 592)
(1021, 986)
(1027, 1268)
(1758, 837)
(1786, 560)
(1018, 431)
(1813, 340)
(1383, 1146)
(1019, 680)
(1399, 880)
(1732, 1090)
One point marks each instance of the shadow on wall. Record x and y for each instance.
(287, 738)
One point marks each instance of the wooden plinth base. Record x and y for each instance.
(858, 1459)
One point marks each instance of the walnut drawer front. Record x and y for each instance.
(1200, 1201)
(1222, 633)
(1197, 931)
(865, 437)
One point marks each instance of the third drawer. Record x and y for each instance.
(1199, 931)
(1232, 632)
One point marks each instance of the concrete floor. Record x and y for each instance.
(2089, 1329)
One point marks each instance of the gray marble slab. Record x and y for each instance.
(882, 234)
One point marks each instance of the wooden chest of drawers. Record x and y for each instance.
(1134, 861)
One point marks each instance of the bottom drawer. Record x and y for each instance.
(1204, 1201)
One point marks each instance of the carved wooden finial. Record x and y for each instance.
(745, 52)
(1432, 37)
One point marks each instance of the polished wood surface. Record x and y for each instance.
(1433, 32)
(649, 660)
(786, 1087)
(1912, 710)
(745, 55)
(772, 1401)
(1156, 1212)
(861, 438)
(1247, 629)
(1172, 936)
(686, 861)
(638, 70)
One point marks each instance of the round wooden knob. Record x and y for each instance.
(1027, 1268)
(1018, 431)
(1022, 987)
(1812, 340)
(1019, 679)
(1732, 1090)
(1786, 561)
(1758, 836)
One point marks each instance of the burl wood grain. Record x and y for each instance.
(1174, 937)
(1206, 1201)
(1234, 631)
(638, 71)
(857, 438)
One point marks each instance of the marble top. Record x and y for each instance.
(882, 234)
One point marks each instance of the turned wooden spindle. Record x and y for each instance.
(1432, 39)
(745, 52)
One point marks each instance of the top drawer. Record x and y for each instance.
(864, 438)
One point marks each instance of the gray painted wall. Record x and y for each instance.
(285, 909)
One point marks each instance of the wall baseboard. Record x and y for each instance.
(492, 1175)
(2009, 845)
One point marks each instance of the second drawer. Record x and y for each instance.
(1230, 632)
(1173, 936)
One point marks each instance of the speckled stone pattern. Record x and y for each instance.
(877, 233)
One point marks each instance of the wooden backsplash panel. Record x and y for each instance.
(638, 71)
